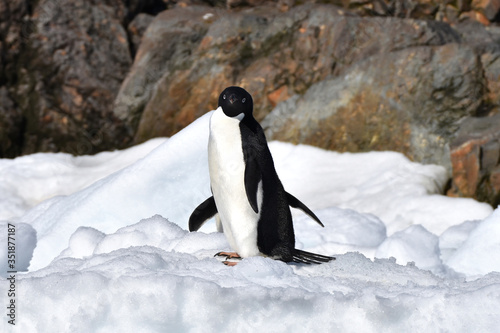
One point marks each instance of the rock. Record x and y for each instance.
(409, 101)
(11, 123)
(491, 63)
(166, 49)
(475, 156)
(474, 16)
(486, 43)
(272, 54)
(150, 7)
(490, 8)
(12, 34)
(136, 29)
(476, 34)
(69, 73)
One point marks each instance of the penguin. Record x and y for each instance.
(251, 204)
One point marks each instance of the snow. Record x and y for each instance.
(478, 254)
(414, 244)
(105, 245)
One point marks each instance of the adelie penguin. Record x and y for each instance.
(252, 205)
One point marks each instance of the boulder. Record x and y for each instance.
(409, 101)
(74, 59)
(165, 50)
(188, 55)
(486, 43)
(475, 156)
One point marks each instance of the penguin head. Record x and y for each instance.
(236, 102)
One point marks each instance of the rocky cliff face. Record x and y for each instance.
(63, 63)
(421, 78)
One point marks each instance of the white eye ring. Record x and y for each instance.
(243, 100)
(223, 96)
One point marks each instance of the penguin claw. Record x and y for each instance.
(228, 255)
(230, 263)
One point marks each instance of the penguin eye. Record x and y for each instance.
(224, 96)
(243, 100)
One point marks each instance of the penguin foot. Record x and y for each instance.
(228, 255)
(304, 257)
(230, 263)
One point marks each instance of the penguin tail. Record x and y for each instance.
(304, 257)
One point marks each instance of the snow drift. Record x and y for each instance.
(106, 244)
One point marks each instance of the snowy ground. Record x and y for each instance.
(104, 239)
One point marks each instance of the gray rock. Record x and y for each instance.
(136, 29)
(409, 101)
(475, 155)
(73, 62)
(188, 55)
(10, 126)
(166, 46)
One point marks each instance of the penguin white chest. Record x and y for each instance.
(227, 177)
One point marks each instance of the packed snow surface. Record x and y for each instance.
(104, 245)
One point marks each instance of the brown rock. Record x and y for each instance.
(188, 55)
(495, 179)
(409, 101)
(491, 64)
(490, 8)
(466, 164)
(74, 60)
(475, 16)
(279, 95)
(475, 156)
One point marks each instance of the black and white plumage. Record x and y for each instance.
(253, 207)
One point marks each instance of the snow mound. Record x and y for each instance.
(413, 245)
(154, 276)
(480, 252)
(29, 180)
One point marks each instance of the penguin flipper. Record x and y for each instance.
(202, 213)
(252, 179)
(304, 257)
(296, 203)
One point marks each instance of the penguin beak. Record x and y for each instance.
(232, 98)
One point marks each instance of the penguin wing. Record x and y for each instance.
(252, 179)
(202, 213)
(296, 203)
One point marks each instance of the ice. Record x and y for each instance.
(106, 244)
